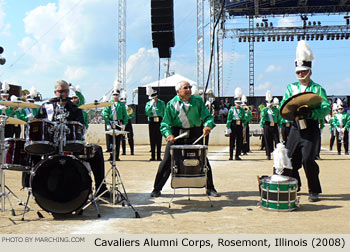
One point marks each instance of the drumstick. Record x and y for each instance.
(198, 139)
(181, 135)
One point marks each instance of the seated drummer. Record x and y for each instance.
(184, 112)
(50, 111)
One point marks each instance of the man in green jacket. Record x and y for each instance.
(185, 112)
(301, 143)
(154, 110)
(342, 124)
(116, 114)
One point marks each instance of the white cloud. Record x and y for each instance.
(4, 27)
(75, 73)
(288, 22)
(262, 87)
(273, 68)
(143, 66)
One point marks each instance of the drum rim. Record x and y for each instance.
(267, 180)
(189, 146)
(7, 166)
(41, 120)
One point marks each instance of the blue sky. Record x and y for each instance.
(76, 40)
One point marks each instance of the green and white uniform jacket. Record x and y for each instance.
(325, 107)
(155, 110)
(270, 115)
(185, 115)
(235, 114)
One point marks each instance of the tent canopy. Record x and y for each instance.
(171, 81)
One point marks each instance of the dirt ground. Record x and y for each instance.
(235, 212)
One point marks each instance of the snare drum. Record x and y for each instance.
(189, 166)
(15, 157)
(74, 137)
(40, 137)
(87, 152)
(278, 195)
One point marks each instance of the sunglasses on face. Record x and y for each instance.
(302, 72)
(187, 87)
(62, 91)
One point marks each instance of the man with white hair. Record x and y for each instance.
(184, 113)
(301, 143)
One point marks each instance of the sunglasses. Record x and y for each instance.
(302, 72)
(187, 87)
(62, 91)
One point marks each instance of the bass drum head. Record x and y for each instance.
(61, 184)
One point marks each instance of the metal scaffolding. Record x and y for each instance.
(122, 43)
(200, 43)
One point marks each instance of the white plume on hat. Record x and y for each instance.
(339, 103)
(238, 94)
(268, 96)
(33, 92)
(276, 101)
(150, 91)
(303, 54)
(14, 98)
(244, 99)
(123, 94)
(5, 87)
(195, 90)
(281, 159)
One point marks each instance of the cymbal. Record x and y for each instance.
(117, 132)
(19, 104)
(289, 108)
(95, 104)
(11, 120)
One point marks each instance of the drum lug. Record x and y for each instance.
(175, 169)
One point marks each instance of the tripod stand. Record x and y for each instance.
(119, 194)
(5, 190)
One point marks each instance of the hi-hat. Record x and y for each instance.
(95, 104)
(291, 105)
(117, 132)
(11, 120)
(19, 104)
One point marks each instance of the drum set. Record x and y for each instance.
(55, 156)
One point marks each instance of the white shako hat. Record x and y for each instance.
(5, 87)
(116, 88)
(276, 101)
(304, 56)
(238, 95)
(32, 94)
(151, 92)
(339, 103)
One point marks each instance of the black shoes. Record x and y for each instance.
(155, 194)
(313, 197)
(231, 158)
(152, 159)
(238, 158)
(213, 193)
(159, 159)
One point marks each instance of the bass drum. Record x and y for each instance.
(61, 184)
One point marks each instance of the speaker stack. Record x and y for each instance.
(162, 18)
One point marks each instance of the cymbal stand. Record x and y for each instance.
(3, 193)
(117, 194)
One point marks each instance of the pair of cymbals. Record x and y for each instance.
(290, 106)
(96, 105)
(19, 104)
(11, 120)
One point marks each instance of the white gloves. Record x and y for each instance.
(343, 130)
(227, 131)
(152, 102)
(122, 127)
(109, 127)
(339, 129)
(30, 116)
